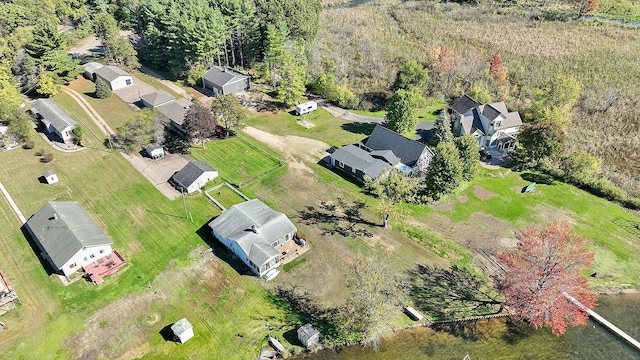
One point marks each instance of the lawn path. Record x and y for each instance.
(347, 115)
(93, 114)
(12, 203)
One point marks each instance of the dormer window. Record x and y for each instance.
(497, 123)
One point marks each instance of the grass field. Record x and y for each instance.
(237, 159)
(226, 196)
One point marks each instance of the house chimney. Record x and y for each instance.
(54, 217)
(255, 229)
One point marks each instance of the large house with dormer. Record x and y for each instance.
(491, 124)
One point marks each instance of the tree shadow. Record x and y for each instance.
(451, 293)
(358, 128)
(341, 218)
(538, 178)
(517, 330)
(467, 330)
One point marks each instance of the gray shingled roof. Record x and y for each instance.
(92, 66)
(489, 112)
(53, 114)
(63, 228)
(221, 75)
(173, 111)
(191, 172)
(152, 146)
(464, 103)
(513, 119)
(409, 151)
(359, 159)
(236, 224)
(157, 97)
(386, 155)
(110, 72)
(307, 331)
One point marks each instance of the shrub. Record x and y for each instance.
(29, 144)
(103, 90)
(39, 152)
(46, 158)
(606, 189)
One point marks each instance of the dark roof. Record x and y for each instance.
(63, 228)
(464, 103)
(386, 155)
(110, 73)
(173, 111)
(157, 98)
(222, 76)
(237, 223)
(490, 112)
(409, 151)
(472, 123)
(359, 159)
(50, 112)
(191, 172)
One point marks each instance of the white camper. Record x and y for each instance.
(306, 108)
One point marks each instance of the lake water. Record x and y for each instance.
(504, 339)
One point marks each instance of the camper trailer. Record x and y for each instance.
(306, 108)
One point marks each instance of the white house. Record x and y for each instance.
(50, 176)
(68, 238)
(194, 175)
(54, 119)
(114, 76)
(491, 124)
(182, 330)
(154, 150)
(254, 233)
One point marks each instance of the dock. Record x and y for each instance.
(604, 322)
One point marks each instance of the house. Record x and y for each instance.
(50, 176)
(308, 335)
(114, 76)
(54, 119)
(194, 175)
(154, 150)
(67, 236)
(254, 233)
(491, 124)
(175, 113)
(383, 150)
(90, 69)
(182, 330)
(224, 80)
(156, 99)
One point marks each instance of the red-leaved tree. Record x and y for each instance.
(546, 264)
(586, 7)
(497, 71)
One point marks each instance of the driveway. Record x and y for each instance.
(131, 94)
(159, 171)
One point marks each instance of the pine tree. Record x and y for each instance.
(445, 171)
(468, 149)
(442, 129)
(103, 90)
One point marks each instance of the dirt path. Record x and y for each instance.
(93, 114)
(175, 88)
(293, 147)
(347, 115)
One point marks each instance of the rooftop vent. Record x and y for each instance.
(255, 229)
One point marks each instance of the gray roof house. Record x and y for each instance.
(90, 69)
(383, 150)
(114, 76)
(67, 236)
(194, 175)
(154, 150)
(224, 80)
(254, 232)
(491, 124)
(308, 335)
(157, 98)
(54, 119)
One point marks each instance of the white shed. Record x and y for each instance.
(308, 335)
(182, 330)
(306, 108)
(50, 176)
(154, 150)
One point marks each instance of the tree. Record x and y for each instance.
(468, 150)
(78, 133)
(45, 38)
(139, 131)
(586, 7)
(377, 293)
(497, 71)
(412, 76)
(103, 90)
(445, 171)
(9, 94)
(442, 129)
(580, 166)
(391, 190)
(402, 111)
(46, 86)
(275, 51)
(20, 124)
(539, 141)
(228, 110)
(546, 264)
(555, 101)
(117, 48)
(61, 67)
(199, 123)
(291, 86)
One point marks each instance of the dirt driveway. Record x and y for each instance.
(159, 171)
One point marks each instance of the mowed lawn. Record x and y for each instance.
(153, 236)
(238, 159)
(226, 196)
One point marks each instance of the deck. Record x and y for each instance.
(291, 250)
(7, 294)
(108, 265)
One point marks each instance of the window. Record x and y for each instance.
(85, 259)
(102, 251)
(73, 265)
(340, 164)
(128, 82)
(92, 256)
(353, 169)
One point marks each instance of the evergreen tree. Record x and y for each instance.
(291, 85)
(445, 171)
(275, 51)
(402, 110)
(468, 149)
(45, 38)
(103, 90)
(442, 129)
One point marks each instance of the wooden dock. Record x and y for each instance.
(614, 329)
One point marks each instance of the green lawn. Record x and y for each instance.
(113, 109)
(237, 159)
(378, 114)
(226, 196)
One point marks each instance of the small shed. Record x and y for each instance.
(182, 330)
(50, 176)
(413, 313)
(154, 150)
(308, 335)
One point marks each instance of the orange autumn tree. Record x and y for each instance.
(546, 263)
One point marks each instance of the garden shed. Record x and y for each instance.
(308, 335)
(182, 330)
(50, 176)
(154, 150)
